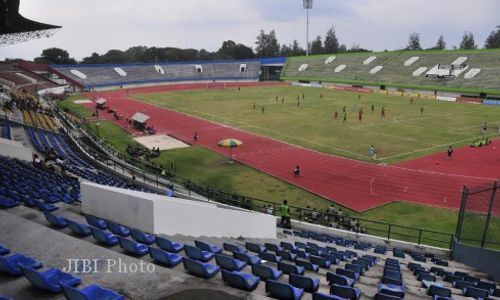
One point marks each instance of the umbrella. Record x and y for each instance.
(230, 143)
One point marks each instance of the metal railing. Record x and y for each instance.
(160, 176)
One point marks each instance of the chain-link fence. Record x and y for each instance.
(479, 218)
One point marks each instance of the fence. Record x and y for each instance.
(479, 218)
(159, 176)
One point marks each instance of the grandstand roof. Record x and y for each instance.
(16, 28)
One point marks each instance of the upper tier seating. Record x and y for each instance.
(394, 69)
(105, 75)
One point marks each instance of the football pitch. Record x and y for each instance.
(306, 117)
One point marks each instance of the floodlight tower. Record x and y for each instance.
(307, 4)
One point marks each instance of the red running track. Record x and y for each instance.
(354, 184)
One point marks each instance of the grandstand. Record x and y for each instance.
(396, 74)
(107, 76)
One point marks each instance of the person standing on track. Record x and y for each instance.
(296, 171)
(450, 152)
(373, 155)
(196, 137)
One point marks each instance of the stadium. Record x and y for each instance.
(166, 173)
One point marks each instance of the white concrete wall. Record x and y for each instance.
(164, 215)
(15, 150)
(130, 208)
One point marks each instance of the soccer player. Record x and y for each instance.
(345, 119)
(485, 127)
(422, 110)
(383, 112)
(254, 106)
(263, 108)
(373, 108)
(335, 115)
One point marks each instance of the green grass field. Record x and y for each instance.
(404, 133)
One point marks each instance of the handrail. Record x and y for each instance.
(212, 194)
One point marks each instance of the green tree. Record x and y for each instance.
(267, 44)
(331, 41)
(317, 46)
(56, 56)
(493, 40)
(414, 42)
(296, 49)
(231, 50)
(440, 44)
(468, 41)
(286, 50)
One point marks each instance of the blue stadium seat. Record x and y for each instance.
(273, 247)
(290, 268)
(322, 296)
(270, 257)
(142, 237)
(79, 229)
(91, 292)
(49, 280)
(286, 255)
(168, 245)
(309, 284)
(198, 254)
(118, 229)
(104, 237)
(392, 290)
(233, 248)
(229, 263)
(287, 246)
(239, 280)
(266, 272)
(333, 278)
(209, 247)
(435, 290)
(348, 273)
(320, 261)
(56, 221)
(96, 222)
(309, 266)
(255, 247)
(4, 250)
(476, 293)
(250, 259)
(12, 264)
(8, 203)
(301, 253)
(490, 286)
(346, 292)
(283, 291)
(165, 258)
(133, 247)
(381, 296)
(200, 269)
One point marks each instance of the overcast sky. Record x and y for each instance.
(100, 25)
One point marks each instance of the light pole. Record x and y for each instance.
(307, 4)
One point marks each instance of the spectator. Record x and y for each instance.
(285, 215)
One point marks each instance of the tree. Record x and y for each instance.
(296, 49)
(286, 50)
(342, 48)
(331, 41)
(55, 56)
(414, 42)
(231, 50)
(317, 46)
(267, 44)
(440, 44)
(468, 41)
(493, 40)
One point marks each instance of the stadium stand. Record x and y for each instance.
(98, 76)
(397, 70)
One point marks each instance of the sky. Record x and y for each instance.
(100, 25)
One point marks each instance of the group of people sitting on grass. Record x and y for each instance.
(137, 152)
(483, 141)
